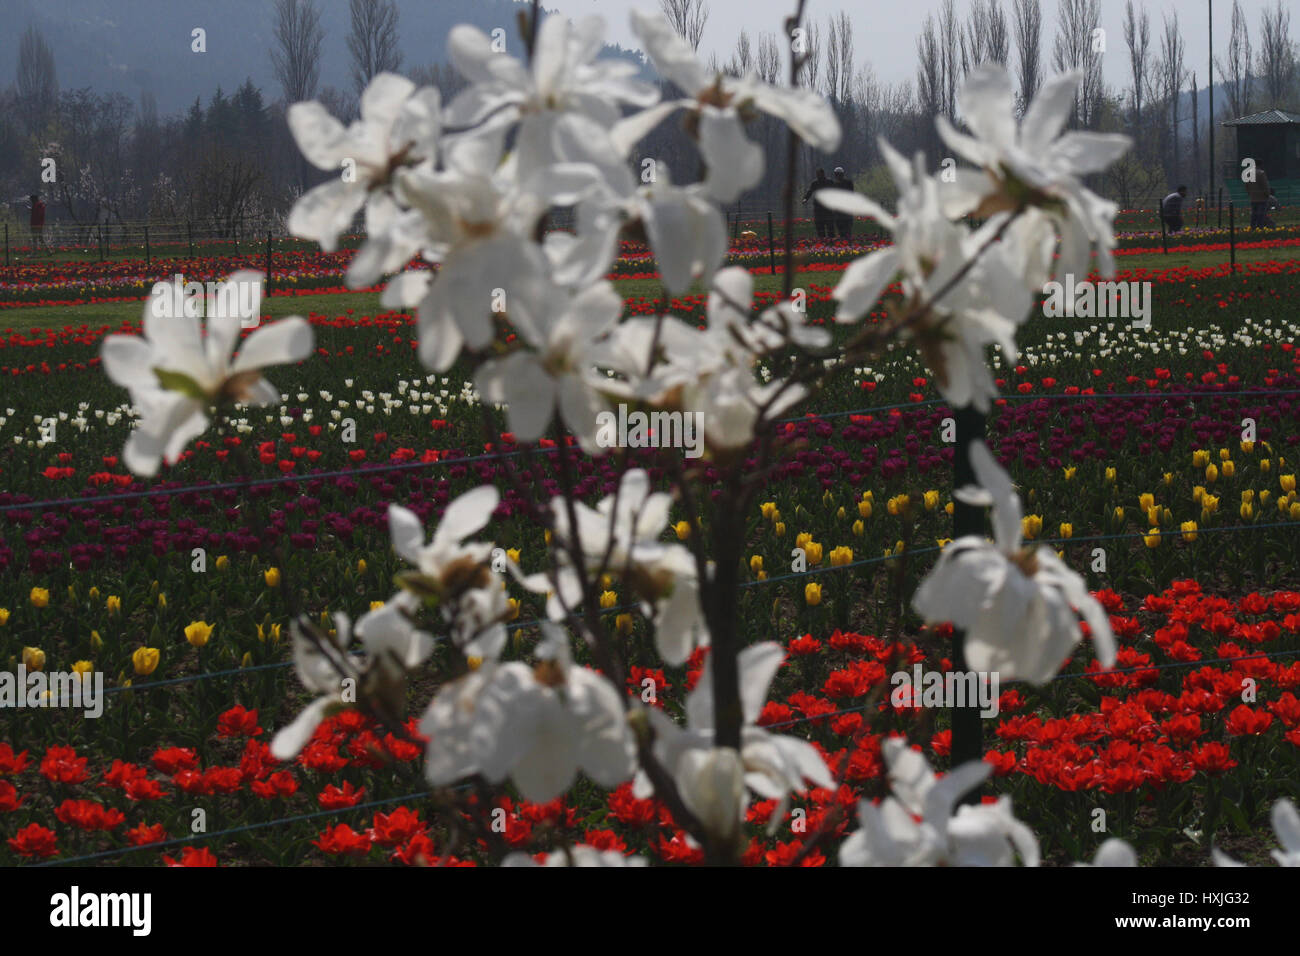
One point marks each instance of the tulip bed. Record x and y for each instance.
(1119, 439)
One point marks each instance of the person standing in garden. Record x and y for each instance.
(822, 217)
(1258, 193)
(1171, 209)
(37, 220)
(843, 221)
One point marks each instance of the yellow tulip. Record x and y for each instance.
(931, 500)
(1118, 515)
(1070, 472)
(162, 599)
(768, 508)
(1152, 538)
(4, 616)
(513, 555)
(361, 566)
(1200, 458)
(1110, 476)
(608, 599)
(948, 509)
(780, 529)
(223, 562)
(113, 604)
(841, 514)
(1224, 454)
(96, 642)
(1031, 525)
(841, 556)
(1248, 494)
(623, 624)
(1211, 473)
(869, 496)
(93, 594)
(1229, 469)
(1247, 510)
(1067, 530)
(275, 633)
(756, 563)
(1265, 465)
(33, 658)
(39, 597)
(1295, 511)
(683, 529)
(145, 660)
(1248, 447)
(82, 668)
(247, 659)
(859, 528)
(1145, 501)
(801, 539)
(198, 632)
(1189, 530)
(1168, 478)
(1210, 503)
(1264, 498)
(813, 550)
(864, 508)
(900, 506)
(812, 593)
(1154, 514)
(1197, 493)
(512, 609)
(1287, 482)
(272, 577)
(376, 605)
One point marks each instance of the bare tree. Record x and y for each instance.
(984, 38)
(767, 58)
(687, 18)
(38, 88)
(1028, 35)
(812, 64)
(1073, 50)
(950, 54)
(1137, 35)
(743, 57)
(296, 54)
(840, 58)
(1277, 63)
(1236, 77)
(372, 40)
(1172, 75)
(929, 79)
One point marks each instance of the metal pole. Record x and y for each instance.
(1164, 239)
(267, 290)
(6, 245)
(1213, 174)
(1220, 205)
(771, 243)
(967, 731)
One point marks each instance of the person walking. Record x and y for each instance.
(37, 220)
(843, 221)
(822, 217)
(1171, 209)
(1258, 193)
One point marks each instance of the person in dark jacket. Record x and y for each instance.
(38, 218)
(843, 221)
(1171, 209)
(822, 217)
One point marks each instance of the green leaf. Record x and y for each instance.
(180, 382)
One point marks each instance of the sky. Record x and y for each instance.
(885, 31)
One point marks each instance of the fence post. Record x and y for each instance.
(1220, 207)
(146, 243)
(189, 238)
(6, 245)
(1164, 239)
(771, 243)
(102, 247)
(236, 231)
(1232, 236)
(967, 519)
(267, 290)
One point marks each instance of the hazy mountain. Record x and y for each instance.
(135, 45)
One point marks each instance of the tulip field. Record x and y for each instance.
(1161, 463)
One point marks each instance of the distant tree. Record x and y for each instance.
(1277, 60)
(1073, 50)
(1137, 36)
(687, 18)
(296, 54)
(1236, 76)
(1172, 75)
(1028, 35)
(38, 87)
(372, 40)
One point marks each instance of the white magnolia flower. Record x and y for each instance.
(1017, 606)
(176, 373)
(579, 855)
(930, 251)
(399, 126)
(558, 375)
(537, 725)
(916, 826)
(563, 80)
(743, 337)
(624, 533)
(714, 781)
(1113, 852)
(393, 646)
(456, 572)
(1286, 824)
(1032, 165)
(719, 105)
